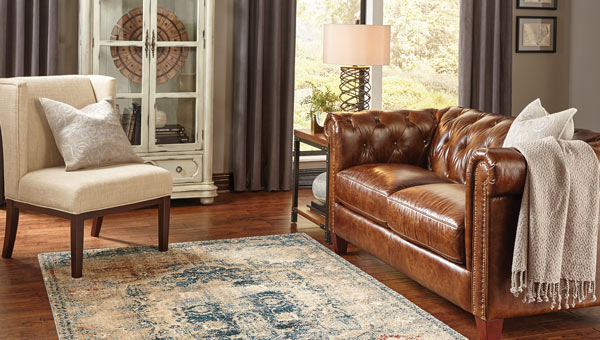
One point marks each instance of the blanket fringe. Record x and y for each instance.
(565, 293)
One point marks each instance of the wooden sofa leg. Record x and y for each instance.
(10, 233)
(96, 225)
(164, 209)
(340, 246)
(489, 330)
(76, 246)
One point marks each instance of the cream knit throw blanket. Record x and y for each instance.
(555, 247)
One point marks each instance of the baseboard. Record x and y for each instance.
(224, 182)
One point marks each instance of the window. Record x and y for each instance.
(423, 70)
(311, 16)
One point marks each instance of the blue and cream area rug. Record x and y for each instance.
(273, 287)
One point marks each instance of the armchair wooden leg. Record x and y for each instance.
(164, 209)
(96, 225)
(76, 246)
(489, 330)
(10, 233)
(340, 246)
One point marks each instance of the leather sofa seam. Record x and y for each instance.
(422, 245)
(427, 215)
(474, 242)
(361, 212)
(458, 261)
(482, 201)
(363, 185)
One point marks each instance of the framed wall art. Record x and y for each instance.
(536, 34)
(537, 4)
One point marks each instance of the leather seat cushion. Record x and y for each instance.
(92, 189)
(365, 188)
(432, 216)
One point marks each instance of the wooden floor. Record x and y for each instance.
(25, 311)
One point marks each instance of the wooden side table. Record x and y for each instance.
(318, 217)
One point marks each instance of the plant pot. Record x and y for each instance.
(314, 125)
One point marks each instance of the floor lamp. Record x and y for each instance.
(357, 48)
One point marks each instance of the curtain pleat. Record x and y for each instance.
(262, 119)
(485, 55)
(28, 37)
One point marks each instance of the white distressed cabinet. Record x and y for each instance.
(161, 53)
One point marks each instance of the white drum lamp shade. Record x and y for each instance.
(367, 45)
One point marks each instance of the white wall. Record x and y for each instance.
(571, 76)
(543, 75)
(584, 67)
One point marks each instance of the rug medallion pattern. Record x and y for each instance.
(273, 287)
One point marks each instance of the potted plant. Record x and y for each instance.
(318, 102)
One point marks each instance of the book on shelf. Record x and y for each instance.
(131, 126)
(135, 128)
(170, 128)
(172, 140)
(126, 120)
(318, 207)
(170, 134)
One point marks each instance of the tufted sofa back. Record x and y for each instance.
(441, 140)
(401, 136)
(461, 132)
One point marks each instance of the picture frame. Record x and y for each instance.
(536, 34)
(537, 4)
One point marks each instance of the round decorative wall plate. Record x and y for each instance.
(169, 60)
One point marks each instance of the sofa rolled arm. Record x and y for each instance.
(495, 182)
(494, 186)
(506, 170)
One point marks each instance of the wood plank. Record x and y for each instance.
(311, 215)
(317, 138)
(25, 311)
(578, 334)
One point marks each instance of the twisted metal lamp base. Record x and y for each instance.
(356, 87)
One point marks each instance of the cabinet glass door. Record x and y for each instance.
(176, 77)
(120, 51)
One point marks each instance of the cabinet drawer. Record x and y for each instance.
(184, 169)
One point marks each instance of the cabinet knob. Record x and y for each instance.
(179, 169)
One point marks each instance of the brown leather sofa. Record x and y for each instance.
(434, 194)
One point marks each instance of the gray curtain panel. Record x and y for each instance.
(485, 55)
(263, 94)
(28, 37)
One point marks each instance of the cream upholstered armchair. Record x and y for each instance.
(34, 171)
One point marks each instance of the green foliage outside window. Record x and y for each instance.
(423, 70)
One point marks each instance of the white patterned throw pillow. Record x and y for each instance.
(88, 137)
(534, 122)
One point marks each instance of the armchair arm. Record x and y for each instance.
(104, 87)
